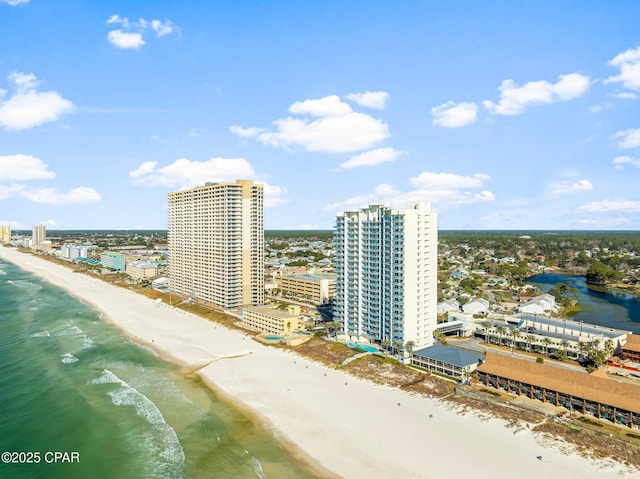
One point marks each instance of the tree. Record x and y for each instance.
(515, 333)
(600, 273)
(336, 326)
(398, 346)
(486, 324)
(501, 330)
(440, 337)
(530, 338)
(546, 341)
(386, 342)
(408, 346)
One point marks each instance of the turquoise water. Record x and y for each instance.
(70, 383)
(362, 347)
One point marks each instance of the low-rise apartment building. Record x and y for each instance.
(142, 270)
(317, 288)
(273, 321)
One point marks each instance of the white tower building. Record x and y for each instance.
(386, 266)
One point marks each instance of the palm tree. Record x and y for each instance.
(547, 342)
(398, 347)
(408, 346)
(486, 324)
(564, 344)
(582, 347)
(440, 337)
(500, 330)
(530, 338)
(386, 342)
(336, 326)
(608, 347)
(515, 333)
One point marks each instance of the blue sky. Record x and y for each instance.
(503, 116)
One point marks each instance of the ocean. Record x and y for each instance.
(79, 400)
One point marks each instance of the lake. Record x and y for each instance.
(612, 309)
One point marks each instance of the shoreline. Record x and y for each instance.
(335, 424)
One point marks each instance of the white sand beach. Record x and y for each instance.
(342, 426)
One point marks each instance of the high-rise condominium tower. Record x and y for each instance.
(38, 235)
(386, 266)
(216, 244)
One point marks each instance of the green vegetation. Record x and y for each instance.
(600, 273)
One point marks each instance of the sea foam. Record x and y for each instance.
(164, 443)
(69, 358)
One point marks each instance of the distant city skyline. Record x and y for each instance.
(501, 115)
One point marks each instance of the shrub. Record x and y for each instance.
(539, 360)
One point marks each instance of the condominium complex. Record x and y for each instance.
(113, 260)
(38, 235)
(216, 244)
(5, 234)
(317, 288)
(273, 321)
(386, 266)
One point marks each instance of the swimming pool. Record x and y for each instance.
(363, 347)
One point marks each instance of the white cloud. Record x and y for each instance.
(23, 168)
(620, 162)
(629, 64)
(611, 205)
(14, 224)
(628, 138)
(514, 99)
(443, 181)
(145, 168)
(195, 132)
(444, 190)
(183, 174)
(117, 19)
(131, 34)
(28, 107)
(246, 132)
(273, 195)
(10, 191)
(125, 40)
(80, 195)
(372, 157)
(559, 188)
(452, 115)
(369, 99)
(626, 95)
(322, 107)
(15, 3)
(160, 28)
(338, 129)
(50, 223)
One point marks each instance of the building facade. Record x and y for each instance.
(273, 321)
(216, 244)
(113, 260)
(386, 267)
(38, 235)
(5, 234)
(317, 288)
(142, 270)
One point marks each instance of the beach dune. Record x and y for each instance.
(339, 425)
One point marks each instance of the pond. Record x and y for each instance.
(608, 308)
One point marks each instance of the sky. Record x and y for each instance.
(501, 114)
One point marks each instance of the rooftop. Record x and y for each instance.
(586, 386)
(454, 356)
